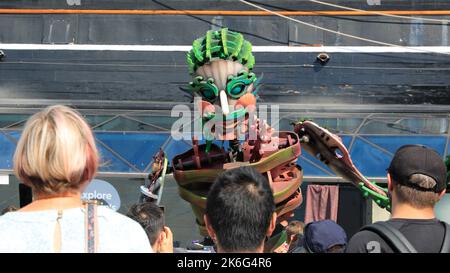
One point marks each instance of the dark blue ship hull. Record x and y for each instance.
(150, 78)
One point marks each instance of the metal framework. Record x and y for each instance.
(127, 139)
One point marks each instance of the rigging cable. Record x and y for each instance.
(443, 21)
(338, 32)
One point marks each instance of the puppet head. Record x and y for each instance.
(221, 65)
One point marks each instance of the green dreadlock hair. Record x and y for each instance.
(221, 44)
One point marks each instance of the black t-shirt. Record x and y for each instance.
(426, 236)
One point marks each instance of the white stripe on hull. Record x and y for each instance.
(185, 48)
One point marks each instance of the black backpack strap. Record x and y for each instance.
(392, 236)
(446, 244)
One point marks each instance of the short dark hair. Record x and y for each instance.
(150, 217)
(239, 208)
(414, 197)
(295, 228)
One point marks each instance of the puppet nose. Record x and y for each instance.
(224, 103)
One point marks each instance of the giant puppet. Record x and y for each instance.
(225, 89)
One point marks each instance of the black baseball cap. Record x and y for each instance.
(418, 159)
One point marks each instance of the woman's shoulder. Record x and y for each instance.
(116, 218)
(27, 217)
(104, 213)
(18, 229)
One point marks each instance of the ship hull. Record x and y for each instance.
(114, 73)
(153, 78)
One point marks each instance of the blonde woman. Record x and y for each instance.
(56, 156)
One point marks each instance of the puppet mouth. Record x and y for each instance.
(235, 115)
(229, 127)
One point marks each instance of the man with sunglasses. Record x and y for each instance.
(417, 180)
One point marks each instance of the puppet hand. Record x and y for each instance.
(382, 200)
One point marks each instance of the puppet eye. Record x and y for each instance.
(237, 90)
(208, 93)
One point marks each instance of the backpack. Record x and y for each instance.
(398, 241)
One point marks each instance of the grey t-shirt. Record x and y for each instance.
(34, 232)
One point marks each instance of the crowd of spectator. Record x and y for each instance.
(57, 157)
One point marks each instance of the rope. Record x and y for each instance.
(444, 21)
(337, 32)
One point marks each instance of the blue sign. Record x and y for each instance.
(103, 192)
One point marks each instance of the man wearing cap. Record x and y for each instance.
(417, 180)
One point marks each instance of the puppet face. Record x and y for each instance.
(226, 89)
(220, 63)
(226, 84)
